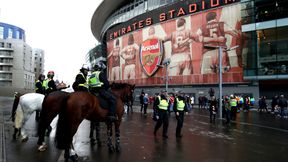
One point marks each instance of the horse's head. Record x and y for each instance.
(124, 90)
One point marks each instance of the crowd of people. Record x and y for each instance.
(163, 104)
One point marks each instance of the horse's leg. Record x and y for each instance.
(97, 125)
(91, 136)
(49, 129)
(117, 136)
(109, 135)
(67, 155)
(73, 155)
(15, 133)
(26, 115)
(43, 124)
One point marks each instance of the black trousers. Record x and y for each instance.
(180, 120)
(109, 96)
(163, 119)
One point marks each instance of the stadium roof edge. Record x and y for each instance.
(102, 13)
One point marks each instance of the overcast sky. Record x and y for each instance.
(60, 27)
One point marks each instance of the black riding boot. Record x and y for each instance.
(111, 114)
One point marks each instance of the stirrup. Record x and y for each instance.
(111, 118)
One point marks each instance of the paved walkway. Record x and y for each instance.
(252, 118)
(2, 133)
(198, 129)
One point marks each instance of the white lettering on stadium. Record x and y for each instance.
(152, 47)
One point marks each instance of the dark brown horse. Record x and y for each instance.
(51, 106)
(83, 105)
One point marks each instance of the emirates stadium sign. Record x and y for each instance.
(151, 52)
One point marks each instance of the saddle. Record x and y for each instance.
(103, 102)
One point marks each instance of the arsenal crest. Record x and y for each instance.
(151, 52)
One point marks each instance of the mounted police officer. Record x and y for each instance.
(99, 84)
(81, 83)
(162, 104)
(49, 83)
(39, 88)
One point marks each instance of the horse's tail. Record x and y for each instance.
(18, 117)
(15, 105)
(62, 137)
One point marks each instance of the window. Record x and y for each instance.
(1, 32)
(10, 33)
(17, 34)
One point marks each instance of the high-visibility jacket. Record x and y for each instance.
(163, 105)
(94, 81)
(180, 105)
(45, 83)
(233, 102)
(83, 84)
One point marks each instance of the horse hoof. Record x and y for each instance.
(92, 141)
(25, 139)
(42, 147)
(118, 149)
(74, 158)
(111, 149)
(99, 144)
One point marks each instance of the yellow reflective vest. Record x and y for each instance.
(94, 80)
(84, 84)
(180, 105)
(163, 105)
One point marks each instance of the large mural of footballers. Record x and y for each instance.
(190, 43)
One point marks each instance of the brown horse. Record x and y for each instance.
(83, 105)
(51, 106)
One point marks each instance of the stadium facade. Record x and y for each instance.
(155, 43)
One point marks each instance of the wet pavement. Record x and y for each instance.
(252, 137)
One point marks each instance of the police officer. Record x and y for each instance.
(162, 104)
(49, 83)
(39, 88)
(233, 105)
(98, 83)
(81, 83)
(179, 108)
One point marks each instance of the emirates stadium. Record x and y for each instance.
(193, 45)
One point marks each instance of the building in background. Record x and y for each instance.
(38, 62)
(96, 54)
(17, 62)
(144, 34)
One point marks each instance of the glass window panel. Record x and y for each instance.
(1, 32)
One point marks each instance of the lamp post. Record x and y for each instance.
(220, 51)
(165, 64)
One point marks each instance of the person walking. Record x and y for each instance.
(262, 104)
(180, 108)
(233, 107)
(282, 104)
(213, 106)
(274, 103)
(162, 104)
(141, 97)
(227, 109)
(145, 103)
